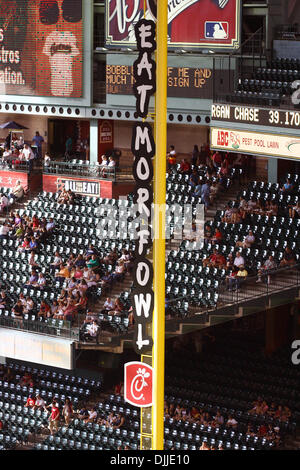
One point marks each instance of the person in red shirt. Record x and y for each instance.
(215, 260)
(54, 417)
(30, 401)
(217, 236)
(184, 166)
(217, 159)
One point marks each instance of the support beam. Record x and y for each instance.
(93, 140)
(159, 231)
(272, 170)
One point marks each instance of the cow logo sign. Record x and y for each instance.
(138, 384)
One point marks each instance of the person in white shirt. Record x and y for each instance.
(18, 191)
(239, 260)
(41, 281)
(3, 202)
(50, 225)
(39, 402)
(47, 160)
(4, 230)
(6, 154)
(93, 330)
(28, 155)
(231, 422)
(108, 305)
(103, 165)
(92, 416)
(248, 241)
(109, 169)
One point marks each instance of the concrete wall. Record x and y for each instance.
(182, 136)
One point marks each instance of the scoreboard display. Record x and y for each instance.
(41, 48)
(257, 116)
(183, 82)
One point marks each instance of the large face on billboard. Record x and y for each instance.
(41, 47)
(192, 24)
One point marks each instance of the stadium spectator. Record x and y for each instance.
(248, 241)
(67, 411)
(287, 187)
(238, 260)
(185, 167)
(171, 157)
(288, 258)
(264, 273)
(92, 331)
(231, 422)
(4, 230)
(195, 155)
(38, 142)
(54, 417)
(39, 403)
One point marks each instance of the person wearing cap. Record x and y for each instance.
(39, 402)
(241, 276)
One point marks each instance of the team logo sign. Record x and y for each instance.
(216, 29)
(138, 384)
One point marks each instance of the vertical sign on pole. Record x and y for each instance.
(143, 149)
(146, 299)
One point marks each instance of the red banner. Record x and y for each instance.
(213, 24)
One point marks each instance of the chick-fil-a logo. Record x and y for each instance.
(138, 384)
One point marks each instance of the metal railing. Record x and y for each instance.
(282, 279)
(50, 327)
(17, 165)
(80, 169)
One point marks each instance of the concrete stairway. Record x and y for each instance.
(115, 292)
(224, 198)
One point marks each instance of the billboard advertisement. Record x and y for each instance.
(193, 24)
(255, 143)
(41, 48)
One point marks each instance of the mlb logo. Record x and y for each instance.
(138, 378)
(216, 30)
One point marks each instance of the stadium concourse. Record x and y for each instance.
(60, 278)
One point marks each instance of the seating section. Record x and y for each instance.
(21, 421)
(93, 436)
(179, 190)
(189, 280)
(228, 381)
(228, 378)
(268, 85)
(76, 228)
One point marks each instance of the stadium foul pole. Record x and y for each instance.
(158, 353)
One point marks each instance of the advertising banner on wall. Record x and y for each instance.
(41, 48)
(255, 143)
(193, 24)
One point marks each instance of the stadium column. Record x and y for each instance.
(159, 227)
(93, 140)
(272, 170)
